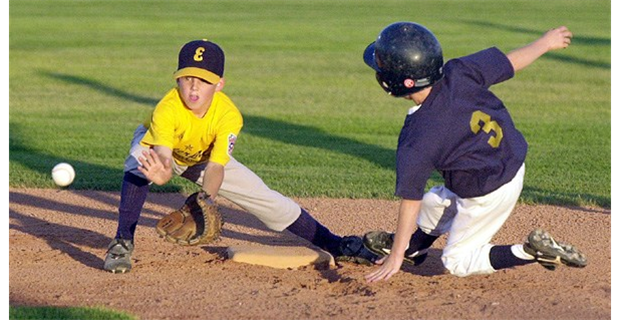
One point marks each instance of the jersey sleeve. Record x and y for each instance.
(412, 173)
(227, 131)
(487, 67)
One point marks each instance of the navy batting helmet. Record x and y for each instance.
(407, 58)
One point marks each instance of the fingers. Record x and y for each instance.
(389, 267)
(383, 273)
(565, 36)
(150, 161)
(156, 167)
(150, 158)
(559, 37)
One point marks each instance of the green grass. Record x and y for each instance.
(83, 74)
(66, 313)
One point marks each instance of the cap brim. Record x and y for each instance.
(199, 73)
(369, 57)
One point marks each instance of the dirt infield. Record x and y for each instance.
(58, 238)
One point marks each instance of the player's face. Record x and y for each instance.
(197, 94)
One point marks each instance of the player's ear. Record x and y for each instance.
(220, 85)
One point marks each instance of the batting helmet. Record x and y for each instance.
(407, 58)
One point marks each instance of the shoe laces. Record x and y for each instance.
(123, 244)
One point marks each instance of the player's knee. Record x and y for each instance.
(455, 265)
(278, 214)
(463, 264)
(460, 265)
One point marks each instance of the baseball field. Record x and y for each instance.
(318, 128)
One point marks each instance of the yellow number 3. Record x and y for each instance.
(479, 116)
(198, 54)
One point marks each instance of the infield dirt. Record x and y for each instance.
(58, 239)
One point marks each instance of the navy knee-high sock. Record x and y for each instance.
(133, 194)
(502, 257)
(420, 241)
(308, 228)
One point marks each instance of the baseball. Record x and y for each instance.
(63, 174)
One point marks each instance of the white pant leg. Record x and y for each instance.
(247, 190)
(437, 211)
(477, 221)
(132, 163)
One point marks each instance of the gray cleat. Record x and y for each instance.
(550, 253)
(380, 242)
(118, 257)
(353, 250)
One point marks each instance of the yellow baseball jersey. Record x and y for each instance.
(194, 140)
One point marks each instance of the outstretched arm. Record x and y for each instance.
(558, 38)
(213, 178)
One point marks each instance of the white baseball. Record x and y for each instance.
(63, 174)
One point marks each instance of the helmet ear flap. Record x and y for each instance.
(383, 82)
(391, 84)
(399, 85)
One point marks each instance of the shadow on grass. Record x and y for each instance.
(313, 137)
(577, 40)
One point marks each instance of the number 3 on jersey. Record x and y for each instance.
(488, 125)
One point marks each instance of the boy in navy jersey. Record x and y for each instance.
(461, 129)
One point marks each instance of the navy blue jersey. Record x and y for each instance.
(462, 130)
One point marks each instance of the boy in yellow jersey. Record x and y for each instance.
(191, 133)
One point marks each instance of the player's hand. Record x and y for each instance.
(157, 171)
(390, 265)
(557, 38)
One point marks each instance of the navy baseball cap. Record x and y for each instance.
(203, 59)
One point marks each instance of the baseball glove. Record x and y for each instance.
(198, 222)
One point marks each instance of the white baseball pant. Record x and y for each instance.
(470, 224)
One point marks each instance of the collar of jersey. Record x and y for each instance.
(413, 109)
